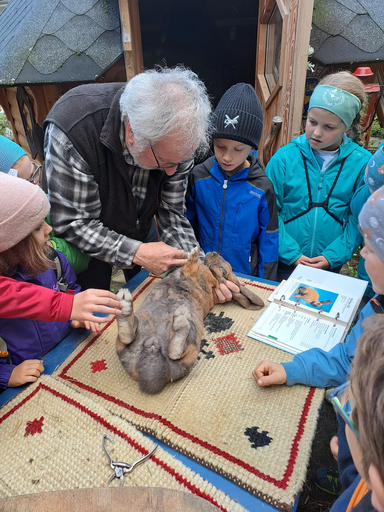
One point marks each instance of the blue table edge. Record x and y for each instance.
(62, 351)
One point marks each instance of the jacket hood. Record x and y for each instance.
(346, 148)
(255, 170)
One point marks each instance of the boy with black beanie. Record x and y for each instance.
(232, 205)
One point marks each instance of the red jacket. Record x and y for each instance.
(26, 300)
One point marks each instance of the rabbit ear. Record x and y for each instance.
(190, 269)
(247, 299)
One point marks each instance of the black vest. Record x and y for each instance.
(90, 117)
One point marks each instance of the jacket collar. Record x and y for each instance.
(346, 148)
(110, 133)
(218, 173)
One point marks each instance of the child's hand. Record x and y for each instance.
(303, 260)
(85, 304)
(95, 327)
(27, 371)
(269, 373)
(334, 445)
(317, 262)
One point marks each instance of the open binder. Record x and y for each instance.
(313, 308)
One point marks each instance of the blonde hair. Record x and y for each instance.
(347, 82)
(27, 254)
(367, 386)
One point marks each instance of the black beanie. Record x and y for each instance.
(239, 116)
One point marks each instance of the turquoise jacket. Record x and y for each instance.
(317, 232)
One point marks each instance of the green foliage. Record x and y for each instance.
(377, 131)
(3, 124)
(352, 270)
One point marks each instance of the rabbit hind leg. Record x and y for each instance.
(180, 331)
(126, 321)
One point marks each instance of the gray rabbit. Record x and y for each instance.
(160, 342)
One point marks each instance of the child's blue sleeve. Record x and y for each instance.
(342, 248)
(268, 237)
(357, 202)
(349, 476)
(315, 367)
(289, 249)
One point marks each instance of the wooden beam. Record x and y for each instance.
(131, 37)
(299, 74)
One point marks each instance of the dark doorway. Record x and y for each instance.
(214, 38)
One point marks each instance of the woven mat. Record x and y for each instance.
(258, 437)
(52, 439)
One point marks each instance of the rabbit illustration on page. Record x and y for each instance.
(310, 296)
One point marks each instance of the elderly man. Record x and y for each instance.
(115, 156)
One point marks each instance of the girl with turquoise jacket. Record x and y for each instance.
(317, 175)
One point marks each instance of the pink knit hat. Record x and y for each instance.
(23, 207)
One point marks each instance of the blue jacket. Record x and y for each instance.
(315, 367)
(32, 339)
(317, 232)
(236, 216)
(349, 477)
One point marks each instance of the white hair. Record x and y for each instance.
(161, 101)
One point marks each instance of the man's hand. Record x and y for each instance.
(94, 326)
(157, 257)
(224, 292)
(317, 262)
(86, 303)
(268, 373)
(27, 371)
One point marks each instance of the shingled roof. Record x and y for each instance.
(345, 31)
(53, 41)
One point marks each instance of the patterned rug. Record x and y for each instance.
(258, 437)
(53, 438)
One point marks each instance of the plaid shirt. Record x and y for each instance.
(76, 207)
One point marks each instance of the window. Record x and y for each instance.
(273, 49)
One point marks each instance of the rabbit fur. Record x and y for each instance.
(160, 342)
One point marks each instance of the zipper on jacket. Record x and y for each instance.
(225, 186)
(315, 219)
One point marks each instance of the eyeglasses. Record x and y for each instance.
(342, 406)
(35, 178)
(161, 167)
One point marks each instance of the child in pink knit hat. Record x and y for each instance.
(23, 237)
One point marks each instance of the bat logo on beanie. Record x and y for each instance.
(228, 121)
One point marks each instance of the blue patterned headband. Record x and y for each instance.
(371, 221)
(342, 103)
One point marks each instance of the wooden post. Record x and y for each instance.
(271, 139)
(131, 37)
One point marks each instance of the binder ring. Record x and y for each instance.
(318, 314)
(297, 303)
(281, 298)
(336, 317)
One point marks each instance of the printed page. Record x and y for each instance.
(329, 281)
(295, 332)
(315, 299)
